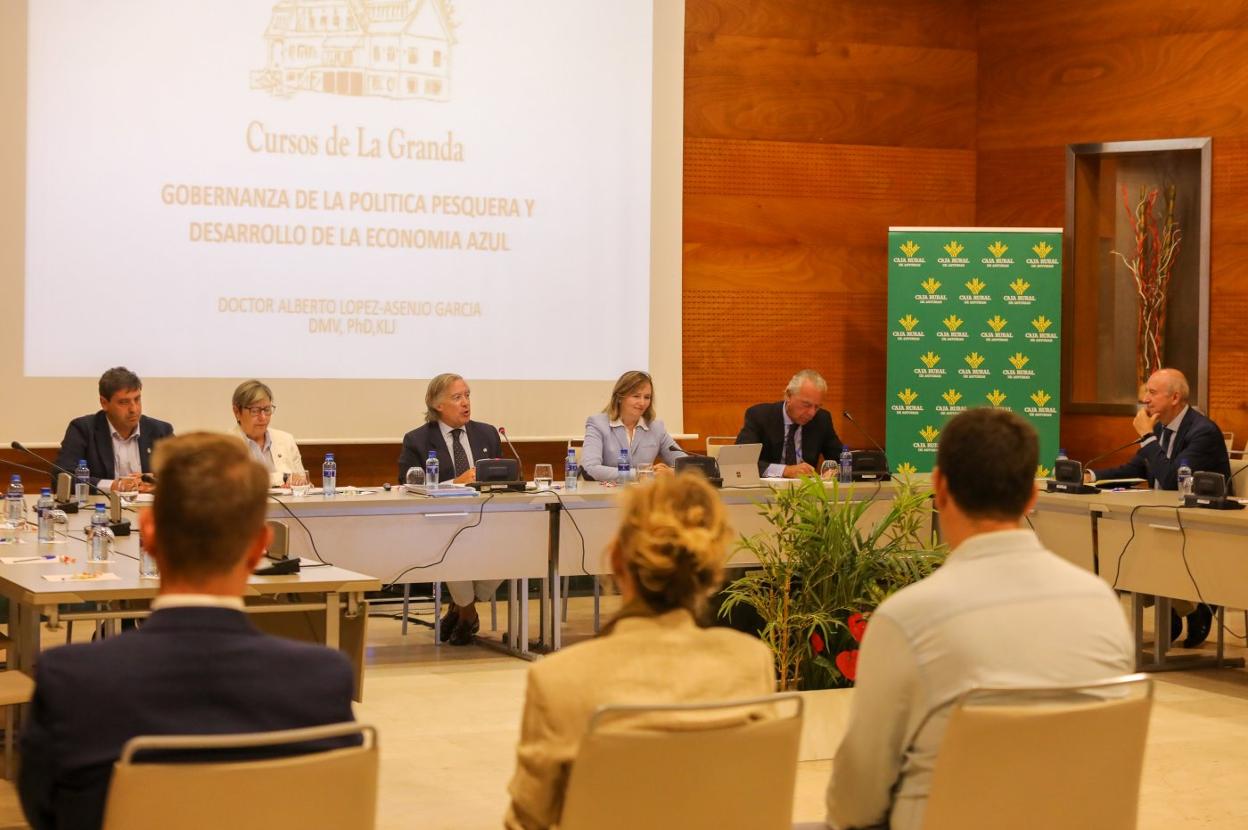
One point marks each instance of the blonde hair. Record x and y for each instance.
(629, 383)
(672, 542)
(434, 392)
(250, 391)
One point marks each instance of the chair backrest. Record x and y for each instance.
(714, 442)
(1067, 757)
(695, 767)
(332, 788)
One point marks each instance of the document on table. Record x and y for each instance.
(105, 576)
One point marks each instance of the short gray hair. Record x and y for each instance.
(250, 391)
(805, 376)
(1176, 381)
(434, 392)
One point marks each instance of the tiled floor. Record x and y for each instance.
(448, 720)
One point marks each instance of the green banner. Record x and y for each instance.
(974, 319)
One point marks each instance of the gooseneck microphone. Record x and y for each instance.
(503, 432)
(1104, 455)
(119, 526)
(865, 434)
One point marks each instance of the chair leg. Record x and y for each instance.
(69, 631)
(407, 602)
(437, 612)
(494, 612)
(8, 741)
(566, 581)
(597, 604)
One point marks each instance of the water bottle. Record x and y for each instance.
(101, 535)
(570, 470)
(147, 563)
(626, 470)
(82, 482)
(431, 470)
(43, 512)
(14, 502)
(1061, 454)
(329, 476)
(847, 465)
(1185, 478)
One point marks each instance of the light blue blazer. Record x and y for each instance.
(601, 453)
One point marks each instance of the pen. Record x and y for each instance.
(32, 559)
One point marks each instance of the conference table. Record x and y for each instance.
(57, 589)
(1145, 543)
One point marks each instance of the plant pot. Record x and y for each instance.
(825, 714)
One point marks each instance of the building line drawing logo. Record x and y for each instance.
(397, 49)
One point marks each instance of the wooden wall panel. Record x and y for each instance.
(1068, 72)
(900, 22)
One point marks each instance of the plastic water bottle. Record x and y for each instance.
(82, 482)
(329, 476)
(847, 465)
(1185, 478)
(14, 502)
(1061, 454)
(43, 512)
(626, 469)
(431, 470)
(147, 563)
(101, 535)
(570, 470)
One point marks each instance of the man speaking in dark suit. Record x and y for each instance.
(795, 432)
(197, 666)
(1171, 433)
(458, 442)
(117, 441)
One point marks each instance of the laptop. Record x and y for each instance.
(738, 465)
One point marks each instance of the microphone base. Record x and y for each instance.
(871, 478)
(119, 528)
(497, 486)
(1212, 503)
(278, 567)
(1070, 487)
(67, 506)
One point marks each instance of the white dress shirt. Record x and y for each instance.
(127, 460)
(1002, 611)
(777, 470)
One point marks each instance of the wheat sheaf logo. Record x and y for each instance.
(396, 49)
(1042, 323)
(909, 322)
(952, 397)
(995, 397)
(907, 396)
(1019, 360)
(976, 285)
(1020, 286)
(953, 248)
(1041, 397)
(909, 248)
(998, 249)
(905, 468)
(929, 433)
(974, 359)
(952, 322)
(931, 285)
(1042, 249)
(930, 359)
(1042, 471)
(997, 322)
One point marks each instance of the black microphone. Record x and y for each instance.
(503, 432)
(866, 434)
(1089, 464)
(119, 526)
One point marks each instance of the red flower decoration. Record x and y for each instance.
(816, 643)
(857, 625)
(847, 663)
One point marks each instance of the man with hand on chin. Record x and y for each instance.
(1173, 433)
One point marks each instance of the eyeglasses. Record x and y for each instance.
(257, 411)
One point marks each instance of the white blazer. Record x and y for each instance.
(286, 457)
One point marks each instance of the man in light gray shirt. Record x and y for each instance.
(1002, 611)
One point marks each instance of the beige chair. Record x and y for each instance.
(696, 767)
(1066, 757)
(336, 788)
(714, 442)
(16, 688)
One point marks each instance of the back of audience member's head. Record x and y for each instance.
(988, 458)
(209, 506)
(671, 542)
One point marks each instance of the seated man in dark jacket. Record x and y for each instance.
(197, 666)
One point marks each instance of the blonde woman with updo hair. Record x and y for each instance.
(668, 559)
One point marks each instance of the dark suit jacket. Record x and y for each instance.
(1199, 440)
(764, 424)
(483, 439)
(184, 671)
(91, 437)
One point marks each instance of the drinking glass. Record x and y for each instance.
(645, 472)
(299, 483)
(415, 476)
(543, 476)
(830, 471)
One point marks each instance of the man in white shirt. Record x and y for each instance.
(1002, 611)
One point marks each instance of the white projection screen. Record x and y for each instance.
(342, 198)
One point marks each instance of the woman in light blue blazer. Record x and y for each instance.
(627, 422)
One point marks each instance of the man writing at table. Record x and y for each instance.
(197, 666)
(795, 432)
(1171, 433)
(117, 441)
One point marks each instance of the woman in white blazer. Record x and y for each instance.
(668, 557)
(276, 450)
(627, 422)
